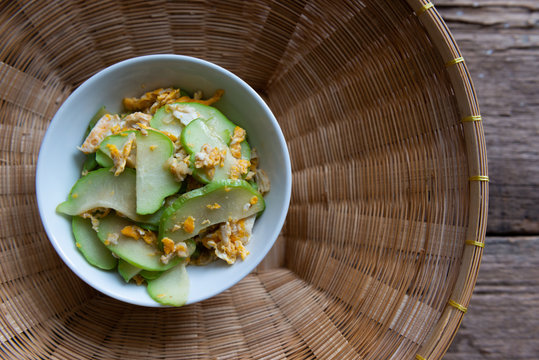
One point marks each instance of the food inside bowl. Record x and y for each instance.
(168, 183)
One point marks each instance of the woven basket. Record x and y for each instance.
(380, 252)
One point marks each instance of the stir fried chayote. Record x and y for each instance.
(168, 183)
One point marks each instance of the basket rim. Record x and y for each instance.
(438, 341)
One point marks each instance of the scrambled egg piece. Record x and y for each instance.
(137, 233)
(135, 118)
(189, 224)
(168, 245)
(112, 238)
(229, 239)
(101, 130)
(241, 167)
(209, 158)
(166, 97)
(183, 112)
(235, 142)
(170, 249)
(179, 165)
(112, 124)
(149, 99)
(120, 158)
(94, 215)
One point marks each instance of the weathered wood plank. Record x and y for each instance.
(500, 42)
(503, 317)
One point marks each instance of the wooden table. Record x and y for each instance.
(500, 42)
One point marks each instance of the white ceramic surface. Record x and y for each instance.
(59, 163)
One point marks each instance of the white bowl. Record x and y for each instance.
(59, 163)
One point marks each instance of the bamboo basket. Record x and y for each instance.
(381, 248)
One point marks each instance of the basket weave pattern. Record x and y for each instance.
(388, 203)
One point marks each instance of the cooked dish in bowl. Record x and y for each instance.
(169, 182)
(150, 122)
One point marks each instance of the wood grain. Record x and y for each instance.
(500, 42)
(503, 317)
